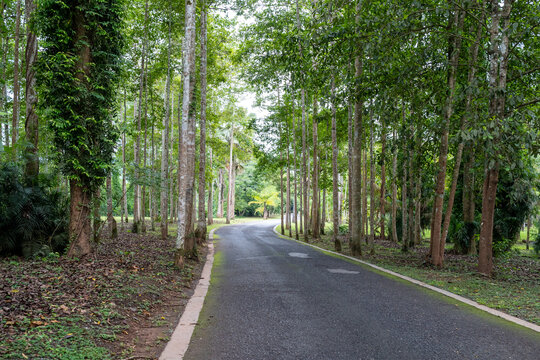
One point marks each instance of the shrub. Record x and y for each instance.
(33, 219)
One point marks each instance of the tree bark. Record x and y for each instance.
(31, 124)
(372, 185)
(16, 85)
(335, 174)
(498, 60)
(230, 208)
(80, 230)
(201, 224)
(186, 166)
(164, 225)
(110, 218)
(124, 197)
(210, 193)
(356, 179)
(221, 195)
(315, 180)
(469, 198)
(382, 202)
(296, 234)
(394, 189)
(454, 44)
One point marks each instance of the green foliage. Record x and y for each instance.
(33, 219)
(265, 198)
(77, 74)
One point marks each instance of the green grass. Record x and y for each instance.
(514, 289)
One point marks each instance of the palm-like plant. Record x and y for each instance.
(267, 197)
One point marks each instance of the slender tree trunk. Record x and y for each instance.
(468, 199)
(110, 218)
(295, 173)
(3, 95)
(124, 197)
(230, 208)
(498, 60)
(315, 179)
(335, 173)
(201, 225)
(454, 44)
(394, 189)
(372, 185)
(464, 123)
(281, 190)
(356, 178)
(221, 191)
(145, 148)
(288, 201)
(382, 202)
(365, 223)
(16, 85)
(164, 225)
(404, 228)
(210, 192)
(528, 231)
(350, 162)
(186, 166)
(31, 124)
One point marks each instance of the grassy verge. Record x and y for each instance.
(514, 289)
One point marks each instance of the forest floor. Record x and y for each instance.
(122, 302)
(513, 289)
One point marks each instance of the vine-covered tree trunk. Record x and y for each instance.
(164, 224)
(16, 85)
(31, 124)
(80, 230)
(186, 165)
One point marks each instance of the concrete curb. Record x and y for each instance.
(462, 299)
(179, 342)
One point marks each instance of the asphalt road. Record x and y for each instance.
(272, 298)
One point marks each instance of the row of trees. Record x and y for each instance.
(137, 105)
(428, 109)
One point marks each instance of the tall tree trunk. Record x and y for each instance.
(16, 85)
(464, 122)
(31, 124)
(137, 160)
(365, 223)
(288, 189)
(164, 225)
(3, 94)
(145, 149)
(498, 61)
(281, 190)
(210, 192)
(350, 163)
(335, 174)
(110, 218)
(382, 202)
(186, 165)
(356, 178)
(372, 185)
(394, 188)
(230, 208)
(221, 191)
(469, 199)
(124, 197)
(454, 45)
(201, 225)
(404, 228)
(315, 179)
(296, 234)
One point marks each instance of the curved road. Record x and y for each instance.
(272, 298)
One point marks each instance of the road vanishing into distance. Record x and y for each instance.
(273, 298)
